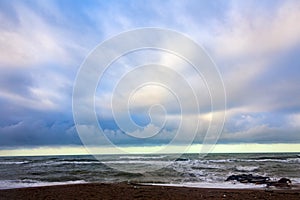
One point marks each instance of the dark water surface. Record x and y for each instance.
(190, 169)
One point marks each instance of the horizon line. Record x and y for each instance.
(195, 148)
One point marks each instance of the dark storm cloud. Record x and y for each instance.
(35, 132)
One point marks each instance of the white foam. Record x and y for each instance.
(13, 162)
(247, 168)
(222, 161)
(67, 162)
(295, 180)
(269, 160)
(152, 162)
(141, 157)
(293, 160)
(221, 185)
(9, 184)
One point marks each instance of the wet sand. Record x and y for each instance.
(129, 191)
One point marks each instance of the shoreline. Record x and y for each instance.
(139, 191)
(235, 185)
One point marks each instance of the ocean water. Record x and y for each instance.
(190, 170)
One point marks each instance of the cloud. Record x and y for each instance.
(250, 46)
(31, 39)
(294, 120)
(246, 46)
(38, 132)
(256, 31)
(262, 134)
(246, 126)
(38, 56)
(30, 43)
(46, 90)
(255, 46)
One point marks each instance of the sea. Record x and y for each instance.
(191, 170)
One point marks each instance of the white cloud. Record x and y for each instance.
(148, 131)
(244, 44)
(257, 33)
(294, 121)
(32, 40)
(35, 104)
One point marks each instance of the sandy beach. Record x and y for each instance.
(129, 191)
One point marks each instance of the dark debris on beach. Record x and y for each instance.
(249, 178)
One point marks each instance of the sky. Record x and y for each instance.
(255, 46)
